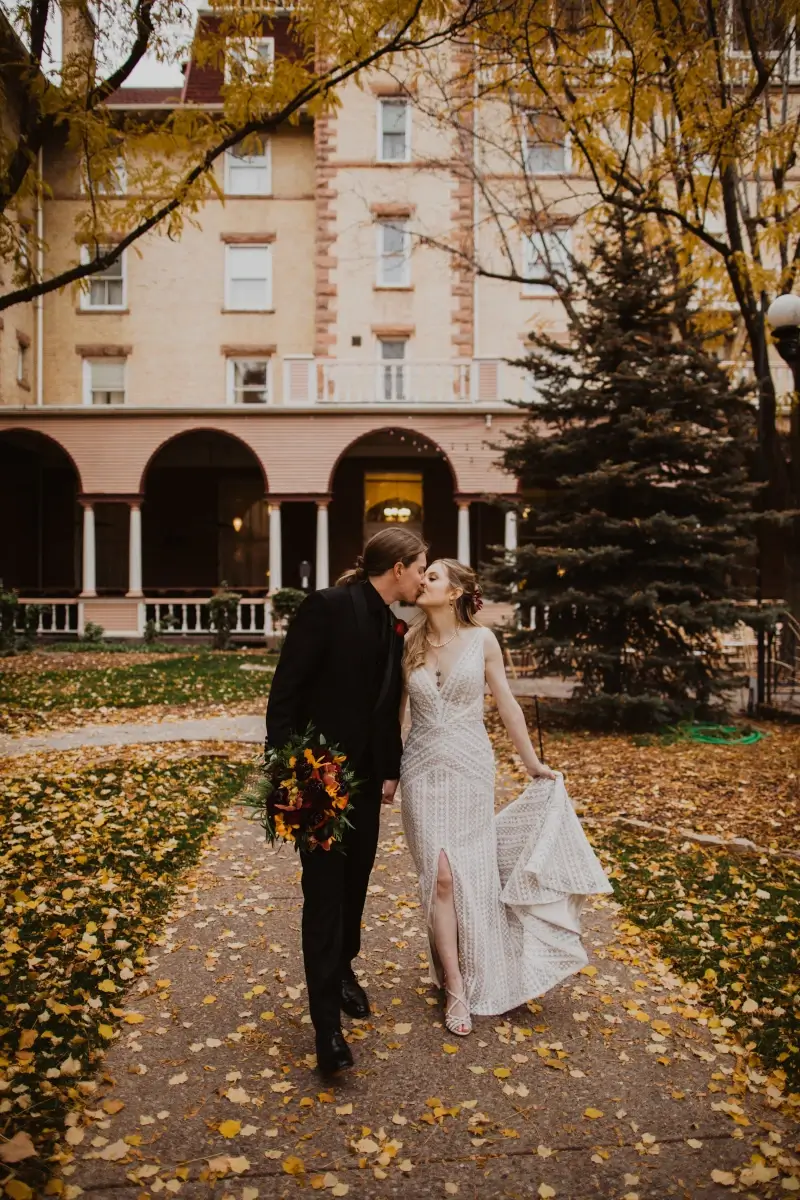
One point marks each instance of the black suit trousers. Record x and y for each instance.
(334, 892)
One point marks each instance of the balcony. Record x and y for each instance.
(343, 383)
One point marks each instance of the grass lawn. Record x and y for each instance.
(730, 923)
(29, 698)
(89, 860)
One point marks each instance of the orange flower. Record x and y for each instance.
(309, 757)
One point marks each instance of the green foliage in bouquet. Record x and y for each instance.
(302, 794)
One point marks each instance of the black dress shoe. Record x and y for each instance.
(354, 999)
(333, 1052)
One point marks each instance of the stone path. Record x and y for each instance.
(212, 729)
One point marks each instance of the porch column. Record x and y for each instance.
(135, 551)
(463, 532)
(275, 547)
(322, 577)
(89, 581)
(511, 530)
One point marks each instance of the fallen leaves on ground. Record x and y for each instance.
(88, 863)
(205, 681)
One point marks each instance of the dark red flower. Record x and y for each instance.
(400, 627)
(315, 795)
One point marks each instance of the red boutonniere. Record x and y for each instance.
(400, 627)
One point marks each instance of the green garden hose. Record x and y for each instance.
(716, 735)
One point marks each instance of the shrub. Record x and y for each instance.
(92, 633)
(285, 603)
(223, 609)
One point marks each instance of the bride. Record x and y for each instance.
(502, 894)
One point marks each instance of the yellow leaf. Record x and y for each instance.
(113, 1106)
(590, 971)
(293, 1165)
(239, 1164)
(229, 1129)
(592, 1113)
(106, 986)
(344, 1110)
(209, 1000)
(501, 1072)
(449, 1049)
(726, 1178)
(133, 1018)
(545, 1190)
(105, 1031)
(18, 1190)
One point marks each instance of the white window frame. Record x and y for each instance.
(397, 223)
(86, 296)
(396, 102)
(539, 287)
(230, 254)
(235, 47)
(527, 145)
(231, 362)
(88, 390)
(394, 371)
(250, 162)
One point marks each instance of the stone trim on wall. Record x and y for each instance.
(391, 88)
(247, 239)
(394, 331)
(103, 350)
(248, 351)
(325, 259)
(462, 287)
(379, 209)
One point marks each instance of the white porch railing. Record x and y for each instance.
(413, 382)
(192, 616)
(55, 616)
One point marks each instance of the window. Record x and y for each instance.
(546, 257)
(248, 174)
(252, 56)
(104, 381)
(248, 278)
(545, 146)
(248, 380)
(23, 355)
(107, 287)
(106, 178)
(394, 134)
(394, 254)
(392, 369)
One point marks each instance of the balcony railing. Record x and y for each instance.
(346, 382)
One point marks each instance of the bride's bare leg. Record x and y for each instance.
(445, 932)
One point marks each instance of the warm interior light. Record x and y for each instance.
(237, 523)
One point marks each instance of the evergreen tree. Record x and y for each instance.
(638, 450)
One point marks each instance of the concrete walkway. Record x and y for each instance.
(216, 729)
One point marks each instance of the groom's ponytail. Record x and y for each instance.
(381, 553)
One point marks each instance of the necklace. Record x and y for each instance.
(440, 646)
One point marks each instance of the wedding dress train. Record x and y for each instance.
(520, 877)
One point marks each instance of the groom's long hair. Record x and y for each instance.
(392, 545)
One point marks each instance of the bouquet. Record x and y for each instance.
(302, 793)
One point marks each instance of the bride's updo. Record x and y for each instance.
(465, 607)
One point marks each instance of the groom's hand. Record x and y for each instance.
(388, 790)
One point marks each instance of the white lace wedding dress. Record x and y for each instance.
(521, 876)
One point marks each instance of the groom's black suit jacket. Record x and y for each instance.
(340, 668)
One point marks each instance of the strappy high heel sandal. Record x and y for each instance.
(460, 1026)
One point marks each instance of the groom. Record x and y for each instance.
(340, 669)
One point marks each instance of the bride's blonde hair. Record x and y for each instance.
(465, 606)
